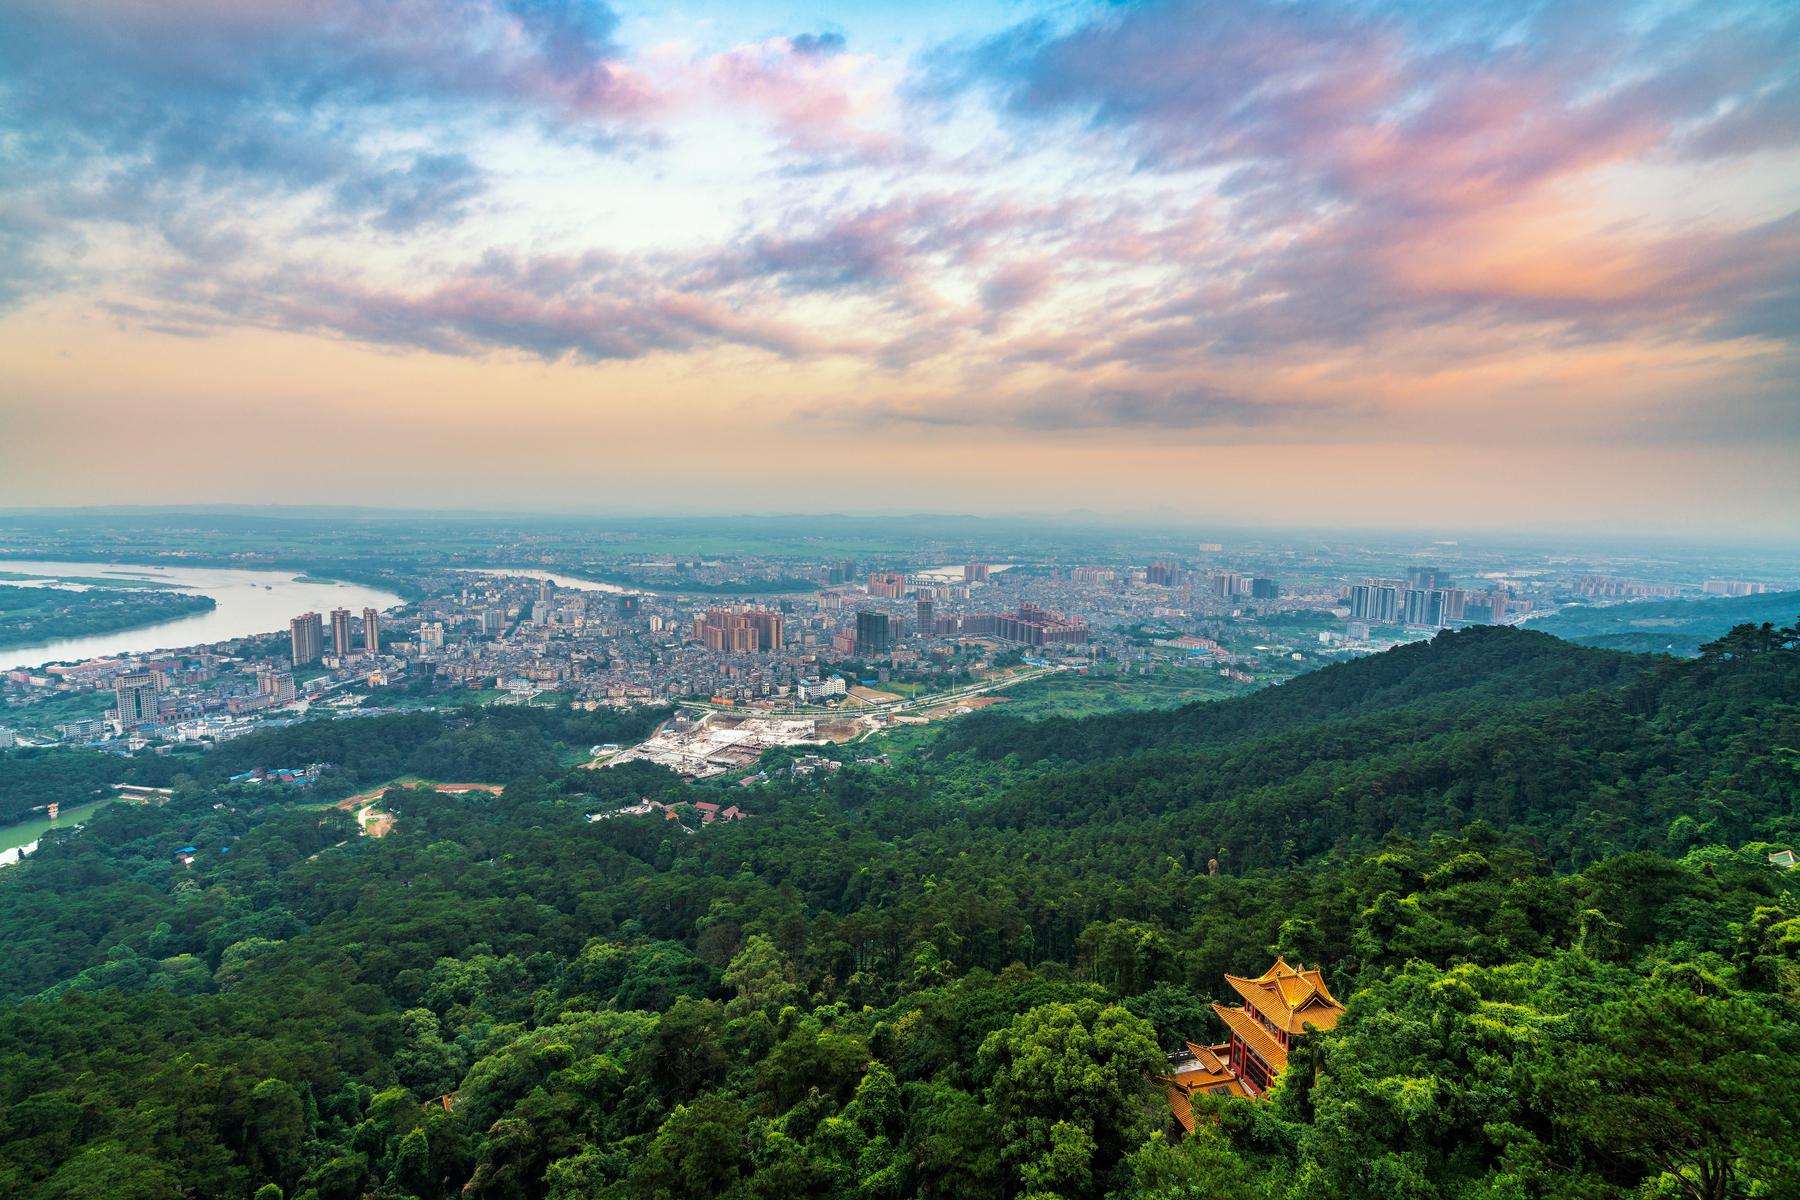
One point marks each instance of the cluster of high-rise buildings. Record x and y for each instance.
(741, 629)
(1225, 585)
(1605, 587)
(887, 584)
(519, 635)
(1735, 587)
(306, 635)
(876, 631)
(1028, 625)
(624, 647)
(176, 694)
(143, 698)
(1425, 599)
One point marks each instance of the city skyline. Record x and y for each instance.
(1464, 266)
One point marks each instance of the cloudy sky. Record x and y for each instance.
(1482, 264)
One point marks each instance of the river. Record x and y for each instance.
(249, 602)
(21, 839)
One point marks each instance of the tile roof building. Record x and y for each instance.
(1279, 1006)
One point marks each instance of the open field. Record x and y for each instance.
(44, 715)
(373, 794)
(875, 695)
(899, 689)
(376, 822)
(961, 707)
(1068, 695)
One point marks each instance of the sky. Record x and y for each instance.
(1478, 265)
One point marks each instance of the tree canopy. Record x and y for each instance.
(1539, 875)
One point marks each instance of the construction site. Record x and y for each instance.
(717, 743)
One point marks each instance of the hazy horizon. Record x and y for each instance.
(1165, 523)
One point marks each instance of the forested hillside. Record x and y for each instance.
(490, 745)
(33, 615)
(1481, 665)
(1537, 873)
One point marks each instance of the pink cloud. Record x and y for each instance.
(822, 99)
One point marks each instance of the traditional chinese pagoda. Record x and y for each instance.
(1279, 1005)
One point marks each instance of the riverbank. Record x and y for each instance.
(21, 838)
(248, 603)
(30, 615)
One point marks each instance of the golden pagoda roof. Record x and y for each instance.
(1205, 1068)
(1291, 998)
(1206, 1072)
(1181, 1108)
(1209, 1058)
(1254, 1036)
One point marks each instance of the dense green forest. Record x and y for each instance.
(29, 615)
(479, 745)
(1537, 873)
